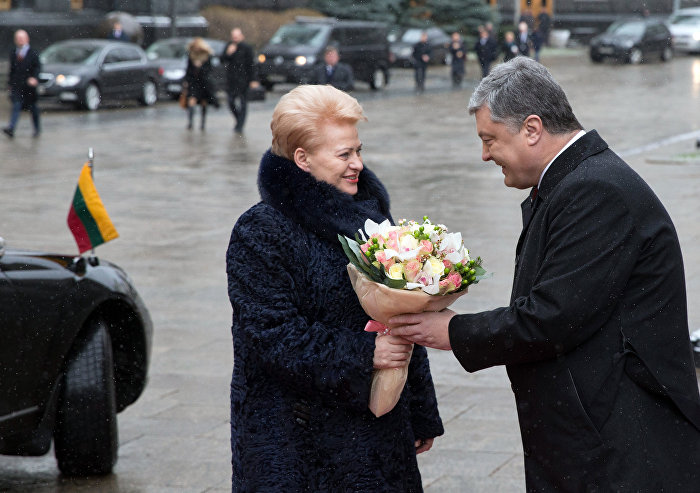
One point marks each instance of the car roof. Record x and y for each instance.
(302, 19)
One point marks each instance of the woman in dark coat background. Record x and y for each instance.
(197, 83)
(302, 362)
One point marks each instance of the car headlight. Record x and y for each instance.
(174, 74)
(304, 60)
(261, 58)
(628, 43)
(405, 52)
(67, 80)
(696, 35)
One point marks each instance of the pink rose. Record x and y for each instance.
(426, 246)
(393, 241)
(364, 247)
(411, 270)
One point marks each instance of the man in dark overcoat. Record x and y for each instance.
(23, 80)
(334, 72)
(595, 339)
(240, 75)
(486, 49)
(420, 58)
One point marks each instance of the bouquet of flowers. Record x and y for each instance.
(409, 268)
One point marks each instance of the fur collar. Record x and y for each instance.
(318, 206)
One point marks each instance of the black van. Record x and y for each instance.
(295, 48)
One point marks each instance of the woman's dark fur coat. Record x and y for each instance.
(302, 362)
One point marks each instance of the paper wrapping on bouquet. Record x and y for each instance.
(381, 303)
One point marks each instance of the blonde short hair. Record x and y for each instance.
(301, 112)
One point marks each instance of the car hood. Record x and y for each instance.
(614, 38)
(684, 29)
(289, 51)
(170, 63)
(67, 68)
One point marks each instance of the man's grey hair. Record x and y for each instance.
(522, 87)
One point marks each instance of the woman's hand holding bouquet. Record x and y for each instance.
(409, 268)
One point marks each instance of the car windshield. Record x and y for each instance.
(71, 53)
(171, 49)
(627, 28)
(299, 34)
(686, 20)
(411, 36)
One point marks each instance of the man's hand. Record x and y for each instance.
(423, 445)
(254, 84)
(391, 352)
(430, 329)
(231, 48)
(32, 82)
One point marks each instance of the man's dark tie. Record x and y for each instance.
(533, 195)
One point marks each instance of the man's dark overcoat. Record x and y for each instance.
(340, 77)
(302, 362)
(595, 340)
(20, 71)
(240, 68)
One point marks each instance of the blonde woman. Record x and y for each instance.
(200, 90)
(302, 362)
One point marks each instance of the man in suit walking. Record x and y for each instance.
(595, 339)
(334, 72)
(240, 74)
(23, 81)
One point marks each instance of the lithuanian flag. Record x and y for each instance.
(87, 217)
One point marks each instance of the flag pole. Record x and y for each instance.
(91, 162)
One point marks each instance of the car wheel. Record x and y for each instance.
(636, 56)
(596, 58)
(379, 79)
(149, 93)
(85, 435)
(667, 54)
(91, 97)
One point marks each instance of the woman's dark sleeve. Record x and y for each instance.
(425, 419)
(266, 293)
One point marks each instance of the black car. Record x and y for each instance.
(402, 46)
(296, 48)
(84, 72)
(76, 342)
(171, 56)
(633, 41)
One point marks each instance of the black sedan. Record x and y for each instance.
(76, 342)
(84, 72)
(633, 41)
(171, 55)
(402, 46)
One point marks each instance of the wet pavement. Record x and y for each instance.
(174, 195)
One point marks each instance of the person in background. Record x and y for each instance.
(303, 364)
(595, 337)
(334, 72)
(197, 83)
(23, 81)
(240, 75)
(544, 26)
(117, 32)
(459, 57)
(510, 48)
(421, 58)
(486, 49)
(524, 39)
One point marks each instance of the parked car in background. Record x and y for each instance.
(633, 41)
(685, 28)
(294, 50)
(403, 42)
(85, 72)
(171, 55)
(76, 343)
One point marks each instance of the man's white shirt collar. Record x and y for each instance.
(580, 134)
